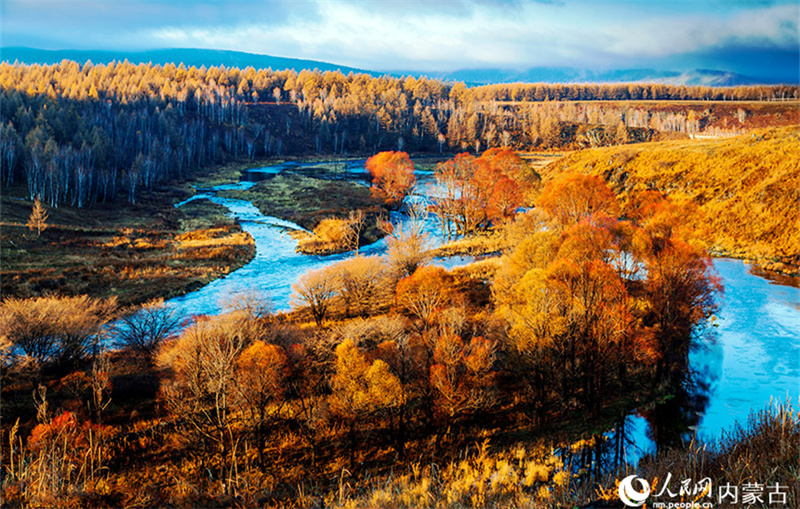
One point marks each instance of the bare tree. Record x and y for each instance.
(253, 303)
(101, 386)
(56, 329)
(143, 329)
(362, 281)
(202, 382)
(408, 243)
(355, 225)
(316, 289)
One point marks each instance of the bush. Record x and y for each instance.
(144, 329)
(55, 330)
(316, 289)
(364, 284)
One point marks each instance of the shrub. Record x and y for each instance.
(363, 284)
(316, 289)
(56, 329)
(143, 329)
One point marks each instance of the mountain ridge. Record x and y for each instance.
(188, 56)
(471, 77)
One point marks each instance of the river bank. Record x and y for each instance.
(277, 266)
(134, 252)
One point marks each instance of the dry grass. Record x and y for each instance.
(332, 235)
(746, 187)
(480, 270)
(518, 477)
(308, 201)
(118, 250)
(765, 450)
(474, 245)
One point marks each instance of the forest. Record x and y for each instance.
(81, 135)
(391, 381)
(420, 360)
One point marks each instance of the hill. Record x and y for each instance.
(187, 56)
(471, 77)
(704, 77)
(747, 187)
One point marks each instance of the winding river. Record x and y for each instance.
(750, 357)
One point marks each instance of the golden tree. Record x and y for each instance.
(261, 370)
(38, 219)
(361, 389)
(424, 293)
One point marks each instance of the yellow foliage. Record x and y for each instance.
(747, 188)
(360, 388)
(332, 235)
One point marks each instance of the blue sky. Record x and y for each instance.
(743, 36)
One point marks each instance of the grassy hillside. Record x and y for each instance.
(747, 187)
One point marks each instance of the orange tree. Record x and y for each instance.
(594, 303)
(392, 176)
(472, 194)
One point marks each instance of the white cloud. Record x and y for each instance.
(770, 26)
(420, 35)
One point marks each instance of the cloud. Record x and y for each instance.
(774, 26)
(119, 24)
(422, 35)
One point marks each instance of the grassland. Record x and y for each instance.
(306, 201)
(747, 188)
(134, 252)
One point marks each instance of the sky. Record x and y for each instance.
(746, 36)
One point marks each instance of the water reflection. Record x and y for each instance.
(751, 356)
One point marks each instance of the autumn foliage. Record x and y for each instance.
(586, 316)
(592, 293)
(577, 197)
(472, 194)
(737, 194)
(392, 176)
(463, 375)
(601, 291)
(425, 293)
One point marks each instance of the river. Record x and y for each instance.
(748, 358)
(276, 265)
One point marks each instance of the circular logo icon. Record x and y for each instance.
(629, 495)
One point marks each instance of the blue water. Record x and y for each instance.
(276, 265)
(750, 357)
(756, 355)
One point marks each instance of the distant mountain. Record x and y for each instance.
(712, 78)
(705, 77)
(472, 77)
(189, 57)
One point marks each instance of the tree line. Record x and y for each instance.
(77, 135)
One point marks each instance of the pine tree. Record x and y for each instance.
(38, 218)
